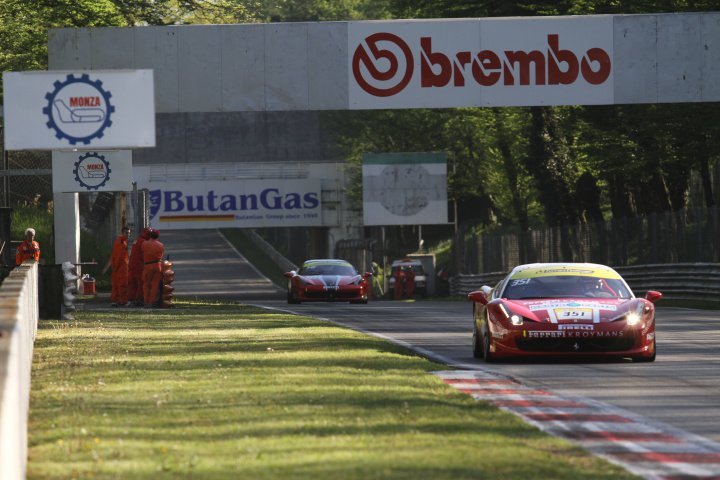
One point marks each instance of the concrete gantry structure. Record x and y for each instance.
(253, 93)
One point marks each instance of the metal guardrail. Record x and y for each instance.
(676, 281)
(282, 262)
(462, 284)
(19, 313)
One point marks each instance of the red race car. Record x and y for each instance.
(576, 309)
(327, 280)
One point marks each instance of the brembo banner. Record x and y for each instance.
(488, 62)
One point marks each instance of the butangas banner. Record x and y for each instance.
(233, 203)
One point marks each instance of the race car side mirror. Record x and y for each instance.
(653, 296)
(289, 274)
(478, 296)
(367, 274)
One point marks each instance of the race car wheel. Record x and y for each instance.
(477, 344)
(647, 359)
(486, 344)
(290, 299)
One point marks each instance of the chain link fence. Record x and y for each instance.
(28, 189)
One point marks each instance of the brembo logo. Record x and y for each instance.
(378, 55)
(553, 66)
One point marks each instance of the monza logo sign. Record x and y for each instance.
(383, 65)
(78, 109)
(92, 171)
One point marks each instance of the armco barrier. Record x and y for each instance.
(676, 281)
(282, 262)
(19, 312)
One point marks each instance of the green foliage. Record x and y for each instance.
(322, 10)
(94, 251)
(228, 391)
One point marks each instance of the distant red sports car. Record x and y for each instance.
(563, 309)
(327, 280)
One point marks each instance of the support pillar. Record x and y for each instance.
(67, 227)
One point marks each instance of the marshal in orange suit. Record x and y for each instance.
(153, 252)
(119, 264)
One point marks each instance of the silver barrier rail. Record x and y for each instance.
(677, 281)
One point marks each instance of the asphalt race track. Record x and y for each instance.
(681, 388)
(206, 265)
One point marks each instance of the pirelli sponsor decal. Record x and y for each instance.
(575, 326)
(574, 333)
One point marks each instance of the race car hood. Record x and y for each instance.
(568, 310)
(330, 280)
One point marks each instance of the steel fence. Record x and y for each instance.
(695, 282)
(689, 235)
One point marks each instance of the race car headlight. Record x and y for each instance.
(514, 319)
(632, 318)
(304, 281)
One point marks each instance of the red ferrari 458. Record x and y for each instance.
(547, 309)
(327, 280)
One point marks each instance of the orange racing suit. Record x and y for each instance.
(27, 251)
(153, 252)
(119, 265)
(135, 283)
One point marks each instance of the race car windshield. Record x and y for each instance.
(565, 286)
(345, 270)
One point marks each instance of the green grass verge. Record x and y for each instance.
(222, 391)
(255, 256)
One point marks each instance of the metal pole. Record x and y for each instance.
(455, 219)
(6, 166)
(384, 259)
(136, 210)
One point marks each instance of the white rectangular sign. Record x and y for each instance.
(84, 109)
(234, 203)
(488, 62)
(101, 171)
(405, 189)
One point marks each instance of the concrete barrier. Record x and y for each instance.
(19, 313)
(677, 281)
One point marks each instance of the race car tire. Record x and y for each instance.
(486, 344)
(291, 300)
(477, 344)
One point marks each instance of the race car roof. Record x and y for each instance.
(406, 261)
(326, 261)
(576, 269)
